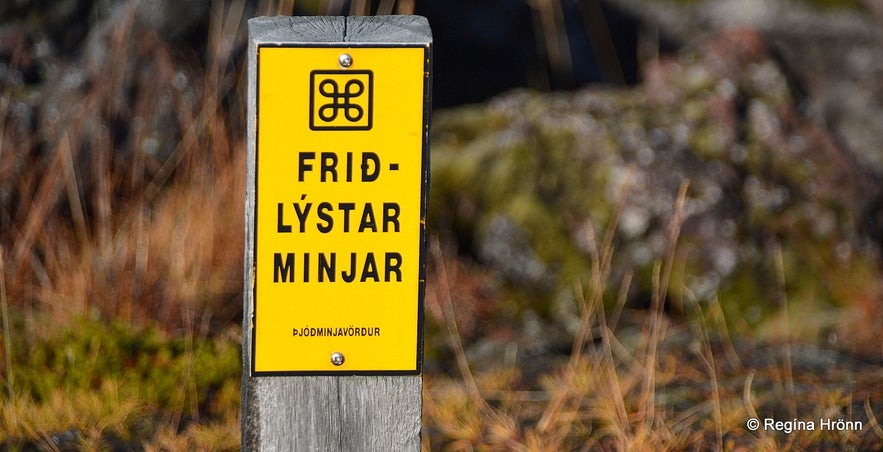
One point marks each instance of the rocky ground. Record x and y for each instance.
(529, 184)
(725, 183)
(830, 50)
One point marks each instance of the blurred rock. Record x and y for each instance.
(832, 51)
(529, 183)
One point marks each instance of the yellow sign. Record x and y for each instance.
(341, 175)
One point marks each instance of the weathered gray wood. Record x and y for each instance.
(361, 413)
(354, 29)
(387, 29)
(319, 413)
(296, 29)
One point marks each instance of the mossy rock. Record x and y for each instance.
(529, 182)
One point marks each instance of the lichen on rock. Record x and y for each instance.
(529, 181)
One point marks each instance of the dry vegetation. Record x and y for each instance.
(642, 380)
(120, 283)
(102, 233)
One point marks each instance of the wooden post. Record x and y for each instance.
(338, 174)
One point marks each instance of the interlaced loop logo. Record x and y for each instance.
(341, 100)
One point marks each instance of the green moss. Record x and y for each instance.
(153, 374)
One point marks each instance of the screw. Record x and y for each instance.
(337, 358)
(345, 60)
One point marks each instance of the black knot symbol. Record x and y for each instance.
(341, 100)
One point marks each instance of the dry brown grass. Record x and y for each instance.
(101, 226)
(126, 206)
(641, 380)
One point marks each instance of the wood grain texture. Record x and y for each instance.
(296, 29)
(351, 29)
(388, 29)
(322, 413)
(350, 413)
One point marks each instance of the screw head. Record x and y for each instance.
(345, 60)
(337, 358)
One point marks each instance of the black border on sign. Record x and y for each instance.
(370, 93)
(424, 200)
